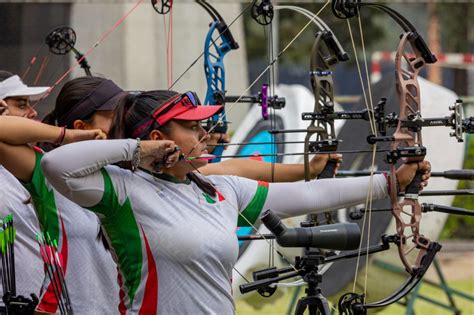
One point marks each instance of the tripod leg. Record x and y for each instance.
(316, 304)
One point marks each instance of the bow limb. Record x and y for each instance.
(215, 49)
(326, 52)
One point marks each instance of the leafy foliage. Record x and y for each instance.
(462, 226)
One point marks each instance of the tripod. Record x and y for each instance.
(314, 300)
(307, 268)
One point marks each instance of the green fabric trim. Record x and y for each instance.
(254, 208)
(42, 196)
(209, 199)
(122, 230)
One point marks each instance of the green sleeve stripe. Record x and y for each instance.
(109, 201)
(118, 221)
(43, 200)
(255, 207)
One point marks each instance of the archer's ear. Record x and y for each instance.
(79, 124)
(156, 135)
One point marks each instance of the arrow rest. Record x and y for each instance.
(262, 12)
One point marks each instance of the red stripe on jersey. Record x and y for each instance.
(262, 183)
(150, 298)
(49, 303)
(122, 307)
(220, 197)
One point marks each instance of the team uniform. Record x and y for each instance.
(91, 276)
(15, 199)
(175, 246)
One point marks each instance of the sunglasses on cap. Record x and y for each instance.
(173, 108)
(185, 106)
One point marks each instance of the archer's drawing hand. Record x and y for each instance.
(159, 154)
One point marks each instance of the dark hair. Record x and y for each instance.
(5, 75)
(135, 109)
(71, 93)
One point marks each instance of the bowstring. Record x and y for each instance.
(368, 101)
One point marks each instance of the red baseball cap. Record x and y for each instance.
(183, 107)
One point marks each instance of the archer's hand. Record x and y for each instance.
(3, 108)
(406, 172)
(215, 138)
(318, 162)
(158, 154)
(75, 135)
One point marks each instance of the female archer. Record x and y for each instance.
(89, 268)
(171, 229)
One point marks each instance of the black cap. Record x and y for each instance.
(103, 98)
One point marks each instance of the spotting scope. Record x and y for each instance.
(339, 236)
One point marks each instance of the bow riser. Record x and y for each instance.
(411, 241)
(322, 84)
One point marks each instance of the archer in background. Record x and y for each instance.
(15, 99)
(72, 228)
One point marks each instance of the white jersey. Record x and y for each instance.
(91, 275)
(14, 199)
(175, 245)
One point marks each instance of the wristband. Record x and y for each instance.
(136, 156)
(60, 139)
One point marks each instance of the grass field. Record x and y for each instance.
(280, 305)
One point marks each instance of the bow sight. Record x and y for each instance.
(261, 98)
(415, 122)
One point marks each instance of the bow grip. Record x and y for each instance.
(329, 169)
(414, 187)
